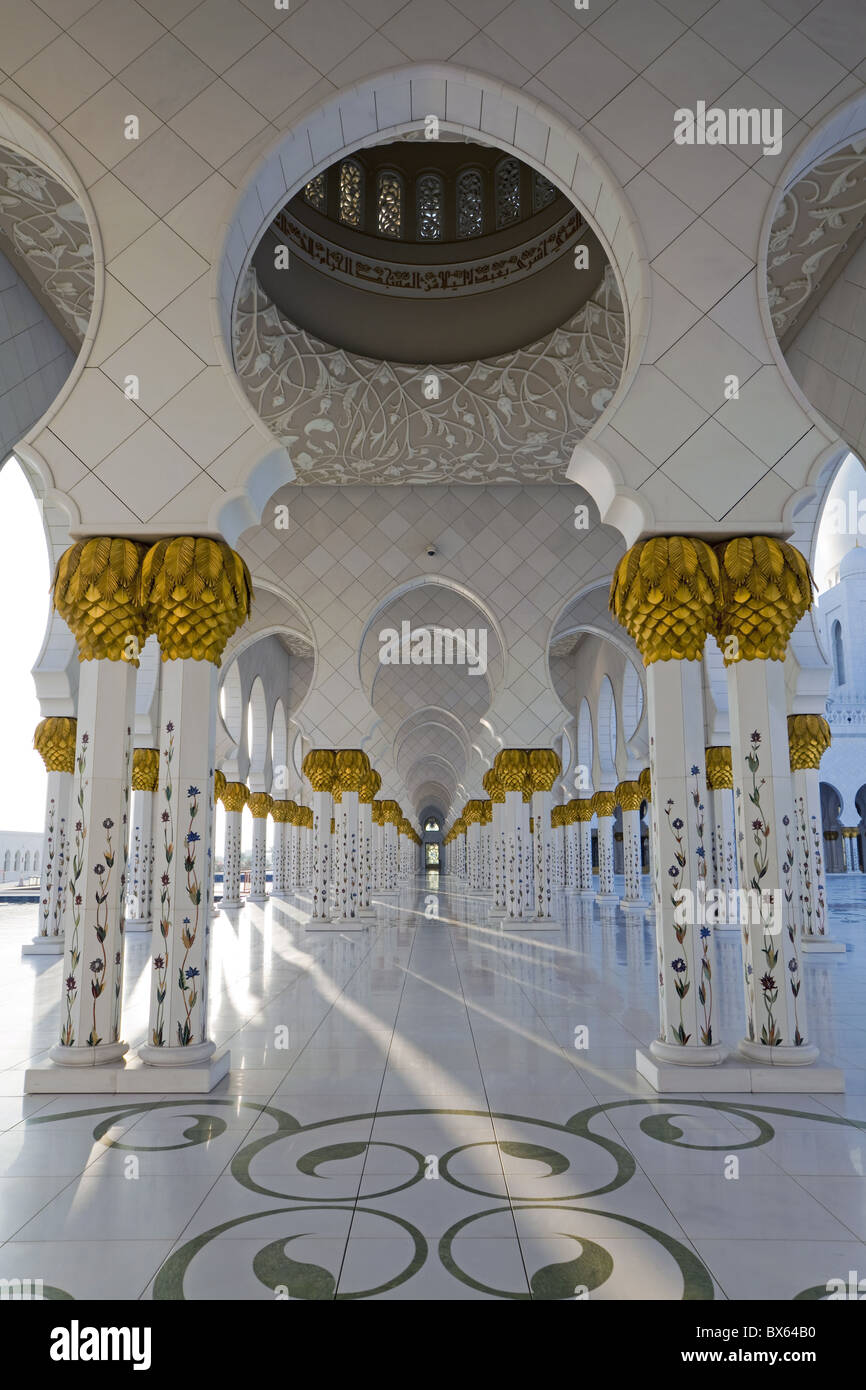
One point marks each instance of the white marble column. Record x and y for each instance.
(177, 1032)
(544, 768)
(371, 786)
(234, 799)
(629, 796)
(511, 767)
(498, 858)
(808, 739)
(391, 810)
(766, 589)
(777, 1032)
(665, 593)
(142, 854)
(720, 784)
(260, 808)
(54, 740)
(93, 957)
(688, 1023)
(320, 770)
(352, 771)
(584, 814)
(645, 784)
(97, 591)
(604, 805)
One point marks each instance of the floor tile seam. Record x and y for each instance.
(375, 1109)
(487, 1102)
(331, 1008)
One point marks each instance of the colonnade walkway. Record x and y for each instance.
(434, 1108)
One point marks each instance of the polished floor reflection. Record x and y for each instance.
(434, 1109)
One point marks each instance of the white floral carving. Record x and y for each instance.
(350, 419)
(47, 229)
(816, 220)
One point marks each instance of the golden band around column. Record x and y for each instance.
(645, 784)
(145, 769)
(544, 768)
(352, 767)
(196, 592)
(320, 769)
(720, 773)
(808, 739)
(766, 587)
(370, 787)
(283, 812)
(260, 805)
(511, 766)
(235, 796)
(97, 592)
(629, 796)
(665, 594)
(54, 741)
(604, 804)
(219, 785)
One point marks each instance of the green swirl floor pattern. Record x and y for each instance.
(281, 1275)
(409, 1116)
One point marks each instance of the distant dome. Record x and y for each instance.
(853, 563)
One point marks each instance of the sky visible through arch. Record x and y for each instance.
(24, 584)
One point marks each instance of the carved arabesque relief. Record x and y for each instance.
(350, 419)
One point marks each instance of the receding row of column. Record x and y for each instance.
(360, 846)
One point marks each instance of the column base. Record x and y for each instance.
(670, 1055)
(736, 1075)
(816, 945)
(778, 1056)
(76, 1058)
(335, 924)
(367, 912)
(516, 923)
(606, 897)
(633, 904)
(43, 946)
(137, 924)
(226, 904)
(129, 1078)
(257, 897)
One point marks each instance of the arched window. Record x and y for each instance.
(507, 191)
(470, 203)
(316, 193)
(17, 865)
(632, 699)
(27, 861)
(583, 772)
(7, 861)
(351, 193)
(389, 203)
(543, 192)
(36, 862)
(429, 198)
(838, 654)
(606, 726)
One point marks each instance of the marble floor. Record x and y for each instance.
(407, 1116)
